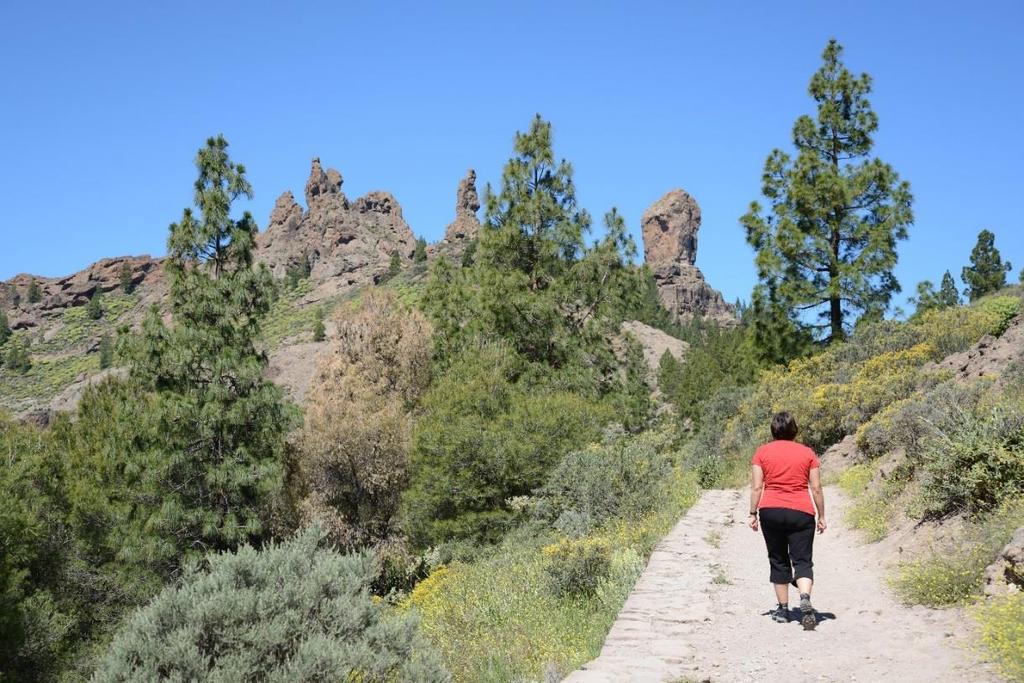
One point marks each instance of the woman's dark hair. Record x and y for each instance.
(784, 426)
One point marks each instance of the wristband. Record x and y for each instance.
(754, 513)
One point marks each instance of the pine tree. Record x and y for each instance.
(927, 298)
(94, 309)
(948, 296)
(298, 272)
(106, 352)
(533, 224)
(420, 254)
(836, 214)
(987, 270)
(18, 358)
(222, 424)
(319, 330)
(5, 329)
(35, 294)
(127, 283)
(394, 266)
(777, 336)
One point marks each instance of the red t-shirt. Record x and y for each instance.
(787, 466)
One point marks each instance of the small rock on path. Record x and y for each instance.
(700, 610)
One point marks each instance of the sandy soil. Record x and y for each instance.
(700, 612)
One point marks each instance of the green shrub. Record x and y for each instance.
(719, 358)
(951, 330)
(907, 423)
(621, 477)
(577, 568)
(419, 254)
(17, 358)
(975, 460)
(953, 572)
(106, 351)
(1002, 632)
(319, 330)
(94, 309)
(483, 439)
(942, 578)
(292, 611)
(1002, 309)
(33, 626)
(125, 277)
(5, 331)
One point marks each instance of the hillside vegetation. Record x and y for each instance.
(480, 469)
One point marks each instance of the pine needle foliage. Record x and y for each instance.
(828, 241)
(17, 357)
(125, 277)
(222, 424)
(294, 611)
(986, 272)
(928, 299)
(5, 328)
(94, 309)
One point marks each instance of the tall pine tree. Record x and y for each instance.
(987, 270)
(222, 424)
(948, 296)
(534, 224)
(828, 243)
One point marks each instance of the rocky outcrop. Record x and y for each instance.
(466, 225)
(670, 229)
(840, 456)
(344, 243)
(59, 293)
(990, 356)
(1006, 574)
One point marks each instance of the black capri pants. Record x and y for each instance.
(789, 535)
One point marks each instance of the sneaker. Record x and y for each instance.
(781, 614)
(808, 619)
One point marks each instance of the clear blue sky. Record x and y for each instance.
(105, 104)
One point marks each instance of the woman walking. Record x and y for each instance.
(782, 470)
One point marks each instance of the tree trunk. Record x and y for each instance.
(835, 302)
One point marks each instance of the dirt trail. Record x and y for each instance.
(700, 613)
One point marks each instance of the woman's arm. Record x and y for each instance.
(814, 479)
(756, 489)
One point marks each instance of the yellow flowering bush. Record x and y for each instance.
(500, 618)
(950, 330)
(576, 567)
(1002, 632)
(830, 399)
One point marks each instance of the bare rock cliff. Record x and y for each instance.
(465, 227)
(670, 227)
(345, 243)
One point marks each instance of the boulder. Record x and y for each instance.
(989, 356)
(841, 455)
(1006, 574)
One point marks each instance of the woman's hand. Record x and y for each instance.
(753, 522)
(821, 525)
